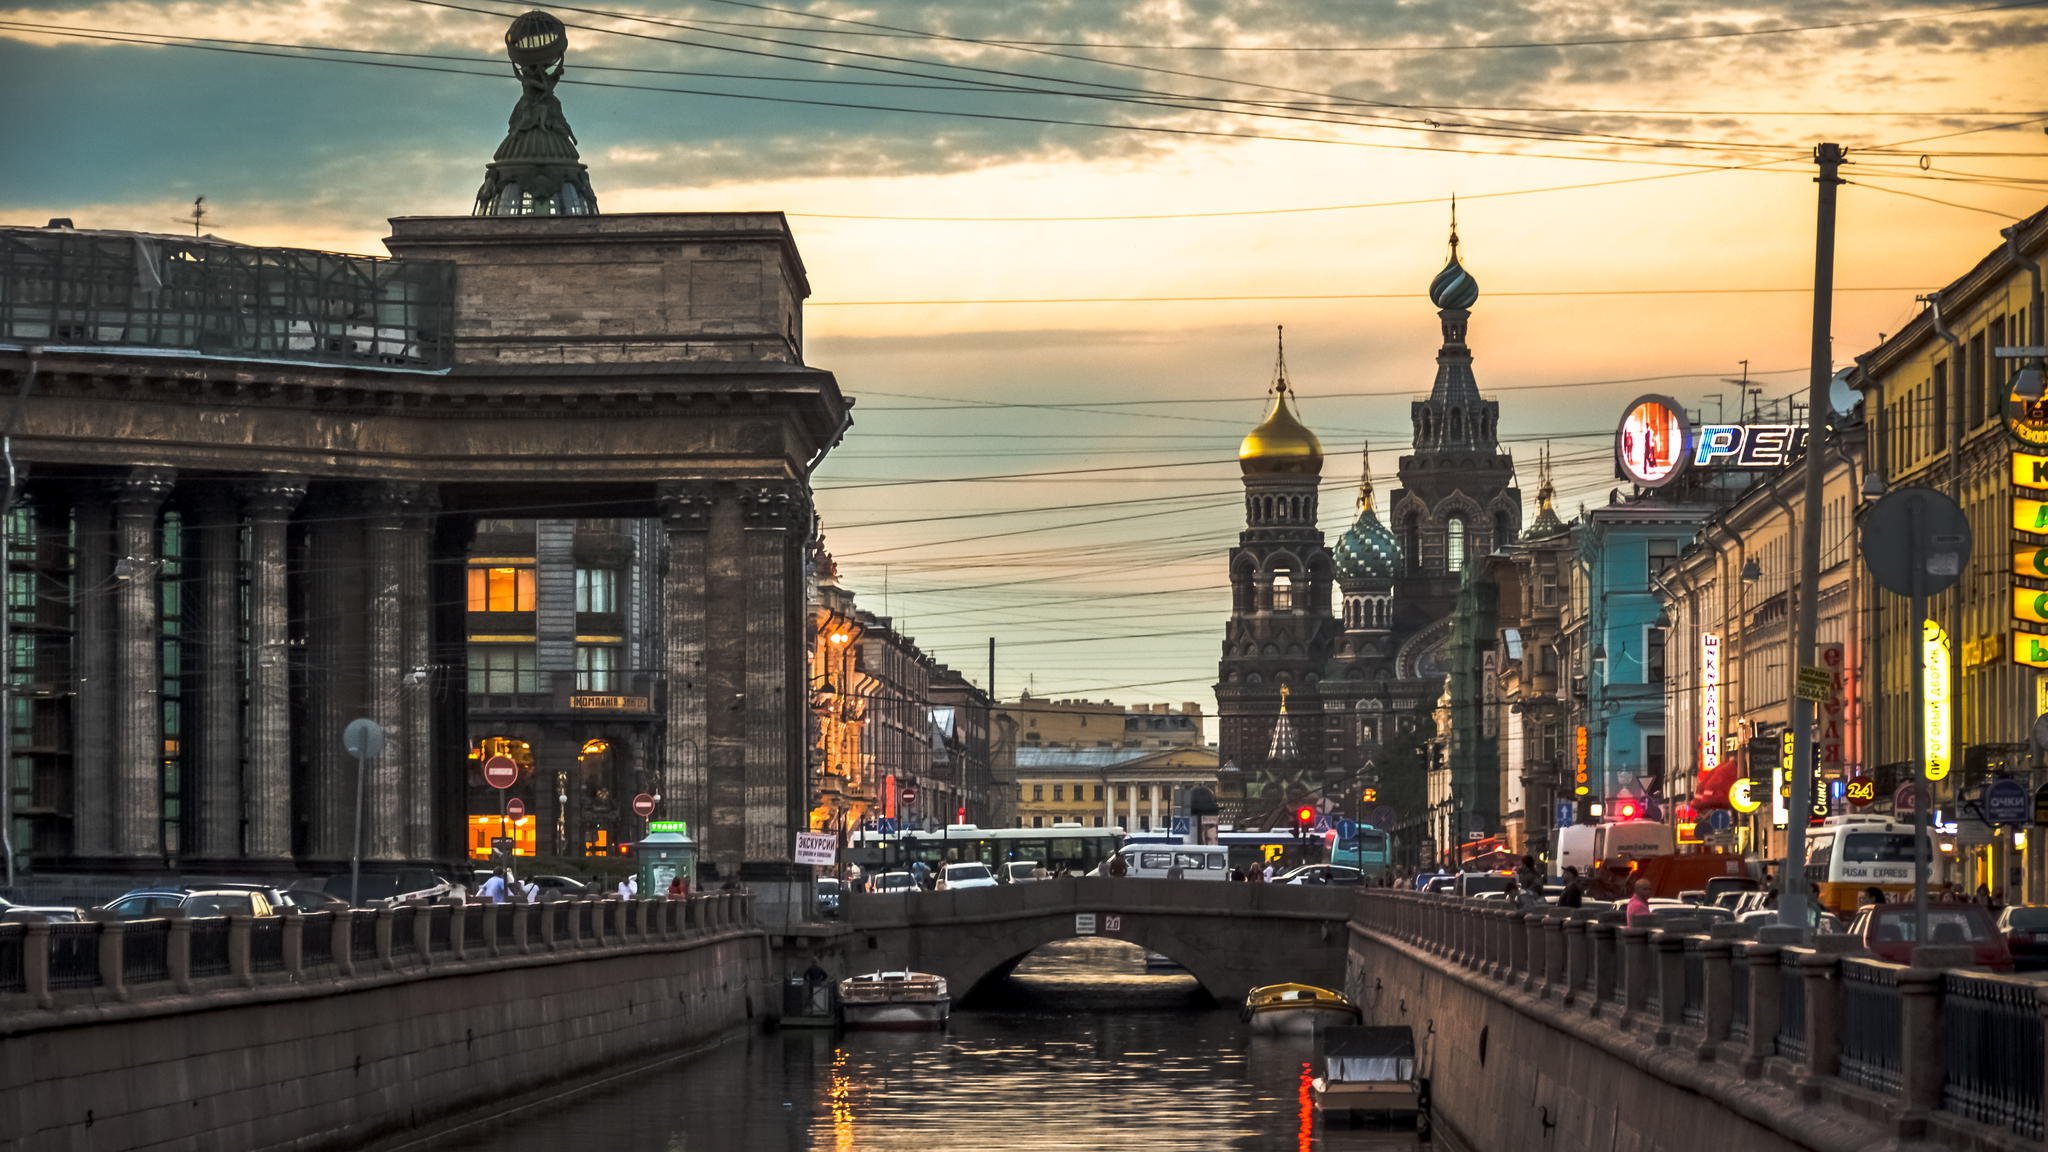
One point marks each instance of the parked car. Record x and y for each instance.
(391, 886)
(146, 902)
(1886, 931)
(562, 886)
(271, 892)
(1474, 883)
(1706, 913)
(954, 877)
(12, 913)
(895, 883)
(1019, 871)
(1323, 874)
(2026, 936)
(313, 900)
(829, 892)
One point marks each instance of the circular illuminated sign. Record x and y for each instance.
(1742, 796)
(1650, 445)
(2026, 421)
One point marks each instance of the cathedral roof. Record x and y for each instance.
(1281, 442)
(1546, 523)
(1368, 551)
(1454, 287)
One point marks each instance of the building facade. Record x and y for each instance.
(1937, 394)
(1137, 789)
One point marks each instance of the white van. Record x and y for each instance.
(1587, 846)
(1192, 861)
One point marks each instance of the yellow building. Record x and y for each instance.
(1102, 724)
(1136, 789)
(1936, 396)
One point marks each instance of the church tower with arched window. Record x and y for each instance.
(1457, 501)
(1278, 643)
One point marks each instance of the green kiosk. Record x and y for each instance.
(666, 853)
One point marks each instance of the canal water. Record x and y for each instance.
(1082, 1049)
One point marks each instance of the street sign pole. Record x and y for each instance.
(1923, 861)
(363, 739)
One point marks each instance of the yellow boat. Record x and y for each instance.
(1296, 1009)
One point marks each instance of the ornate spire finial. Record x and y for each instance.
(1283, 699)
(1546, 491)
(1280, 358)
(536, 170)
(1365, 480)
(1454, 227)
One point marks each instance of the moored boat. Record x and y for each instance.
(1371, 1072)
(1296, 1009)
(894, 1000)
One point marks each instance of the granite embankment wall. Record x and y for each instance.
(330, 1060)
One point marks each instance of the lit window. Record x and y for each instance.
(500, 589)
(596, 667)
(597, 590)
(1454, 545)
(1283, 592)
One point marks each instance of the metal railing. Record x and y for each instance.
(74, 955)
(1872, 1019)
(316, 941)
(1738, 997)
(362, 937)
(440, 931)
(1692, 1008)
(146, 951)
(209, 947)
(1791, 1039)
(1992, 1051)
(266, 944)
(13, 951)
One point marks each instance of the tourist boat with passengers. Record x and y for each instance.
(1296, 1009)
(899, 1000)
(1371, 1072)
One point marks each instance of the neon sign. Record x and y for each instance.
(1710, 701)
(1934, 722)
(1582, 778)
(1656, 442)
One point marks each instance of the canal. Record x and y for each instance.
(1082, 1049)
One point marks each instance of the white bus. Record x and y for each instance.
(1847, 854)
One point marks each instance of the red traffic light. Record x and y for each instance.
(1627, 810)
(1304, 815)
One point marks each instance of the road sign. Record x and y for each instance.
(1858, 788)
(1816, 684)
(820, 848)
(2006, 801)
(1182, 825)
(1346, 829)
(909, 794)
(643, 805)
(501, 772)
(886, 825)
(363, 738)
(1112, 922)
(1084, 923)
(1915, 540)
(515, 808)
(1567, 812)
(1384, 816)
(1905, 801)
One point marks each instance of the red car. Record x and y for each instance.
(2026, 933)
(1886, 931)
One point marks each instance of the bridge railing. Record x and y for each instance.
(1953, 1054)
(54, 966)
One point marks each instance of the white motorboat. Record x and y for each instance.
(902, 1000)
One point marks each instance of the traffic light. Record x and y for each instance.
(1626, 810)
(1371, 796)
(1304, 819)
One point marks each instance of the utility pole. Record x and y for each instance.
(1792, 874)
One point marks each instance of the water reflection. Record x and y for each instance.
(1082, 1050)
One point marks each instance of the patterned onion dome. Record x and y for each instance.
(1453, 287)
(1368, 551)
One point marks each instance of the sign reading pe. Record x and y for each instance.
(820, 848)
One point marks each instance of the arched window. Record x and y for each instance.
(1283, 592)
(1503, 528)
(1454, 544)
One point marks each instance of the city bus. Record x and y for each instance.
(1368, 850)
(1077, 847)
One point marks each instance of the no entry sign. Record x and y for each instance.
(515, 808)
(501, 771)
(643, 805)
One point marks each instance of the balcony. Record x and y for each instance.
(628, 695)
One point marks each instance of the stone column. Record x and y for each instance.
(215, 736)
(385, 796)
(335, 600)
(1717, 1009)
(1921, 1068)
(1131, 801)
(138, 754)
(1109, 805)
(93, 711)
(415, 734)
(1152, 794)
(777, 517)
(1668, 952)
(1823, 1018)
(1764, 998)
(1576, 958)
(686, 512)
(267, 780)
(1606, 958)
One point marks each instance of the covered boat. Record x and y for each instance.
(894, 1000)
(1296, 1009)
(1371, 1071)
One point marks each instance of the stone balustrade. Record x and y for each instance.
(54, 966)
(1951, 1055)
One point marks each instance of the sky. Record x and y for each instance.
(1050, 242)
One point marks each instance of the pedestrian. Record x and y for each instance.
(1266, 874)
(629, 887)
(1118, 866)
(1529, 876)
(1869, 896)
(922, 873)
(678, 887)
(532, 891)
(493, 891)
(1174, 873)
(1574, 894)
(1639, 904)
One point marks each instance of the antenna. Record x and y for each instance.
(1752, 399)
(197, 217)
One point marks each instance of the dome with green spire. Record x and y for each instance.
(1368, 550)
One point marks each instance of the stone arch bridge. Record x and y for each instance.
(1230, 937)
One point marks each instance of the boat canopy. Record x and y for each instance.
(1368, 1054)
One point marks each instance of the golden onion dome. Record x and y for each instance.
(1281, 442)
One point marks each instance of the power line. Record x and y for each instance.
(1310, 296)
